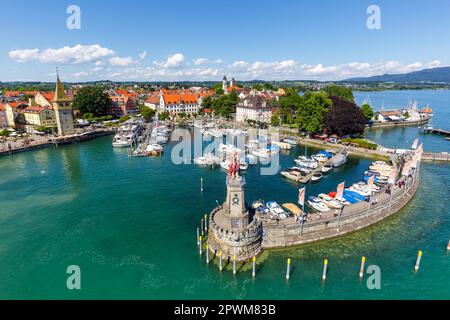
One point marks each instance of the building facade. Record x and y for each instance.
(254, 108)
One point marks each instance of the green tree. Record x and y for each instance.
(344, 118)
(340, 91)
(147, 113)
(310, 115)
(92, 99)
(123, 119)
(163, 116)
(367, 111)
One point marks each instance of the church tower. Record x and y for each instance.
(63, 110)
(225, 85)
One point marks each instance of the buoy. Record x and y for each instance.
(361, 271)
(419, 257)
(325, 267)
(254, 267)
(200, 246)
(220, 261)
(234, 265)
(207, 254)
(288, 269)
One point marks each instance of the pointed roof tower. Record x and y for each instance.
(60, 94)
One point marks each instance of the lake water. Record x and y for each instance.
(130, 226)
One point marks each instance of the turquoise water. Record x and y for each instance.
(130, 226)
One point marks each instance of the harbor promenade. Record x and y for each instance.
(288, 232)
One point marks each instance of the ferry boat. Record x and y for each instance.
(317, 205)
(329, 201)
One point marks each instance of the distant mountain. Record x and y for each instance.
(441, 75)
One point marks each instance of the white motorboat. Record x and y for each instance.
(339, 159)
(363, 187)
(326, 168)
(317, 205)
(316, 177)
(127, 134)
(329, 201)
(364, 192)
(207, 160)
(262, 153)
(294, 174)
(307, 163)
(320, 158)
(276, 209)
(282, 145)
(290, 141)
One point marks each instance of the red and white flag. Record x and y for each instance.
(340, 190)
(371, 182)
(301, 196)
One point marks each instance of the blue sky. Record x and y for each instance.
(202, 40)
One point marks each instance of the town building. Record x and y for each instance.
(254, 108)
(123, 102)
(178, 101)
(15, 113)
(62, 105)
(38, 116)
(388, 115)
(3, 120)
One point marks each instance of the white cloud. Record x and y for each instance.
(81, 74)
(121, 62)
(78, 54)
(174, 61)
(202, 61)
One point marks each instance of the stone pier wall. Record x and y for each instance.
(286, 233)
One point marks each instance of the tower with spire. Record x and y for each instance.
(62, 105)
(225, 85)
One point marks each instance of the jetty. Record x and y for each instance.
(432, 130)
(234, 233)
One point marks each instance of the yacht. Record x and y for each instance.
(363, 192)
(320, 158)
(127, 134)
(306, 162)
(207, 160)
(276, 209)
(317, 205)
(363, 186)
(316, 177)
(339, 159)
(326, 168)
(329, 201)
(294, 174)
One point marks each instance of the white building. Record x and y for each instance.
(178, 102)
(254, 108)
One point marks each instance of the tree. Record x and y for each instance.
(163, 115)
(340, 91)
(367, 111)
(344, 118)
(92, 99)
(310, 114)
(147, 113)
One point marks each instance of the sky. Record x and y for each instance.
(175, 40)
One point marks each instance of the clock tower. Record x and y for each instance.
(62, 105)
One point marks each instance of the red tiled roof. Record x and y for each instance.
(48, 95)
(153, 99)
(35, 109)
(17, 104)
(177, 98)
(389, 113)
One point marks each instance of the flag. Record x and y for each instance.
(420, 148)
(406, 167)
(340, 190)
(392, 177)
(416, 143)
(370, 182)
(301, 196)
